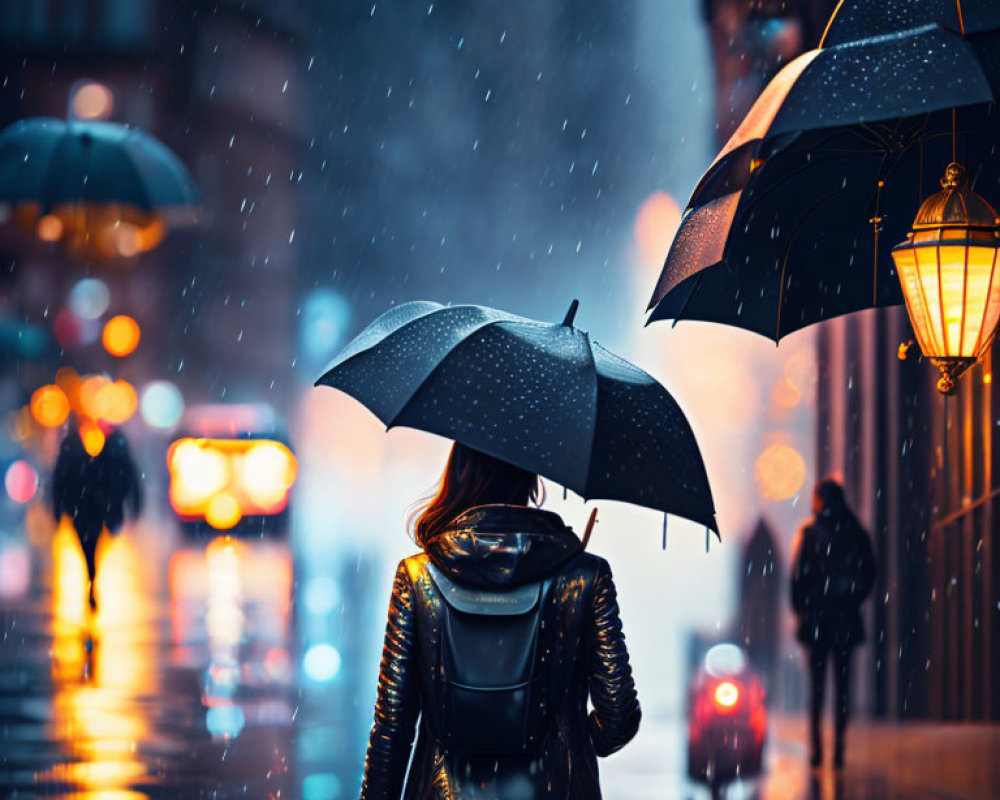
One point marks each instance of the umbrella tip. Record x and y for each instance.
(571, 314)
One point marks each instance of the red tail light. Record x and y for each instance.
(726, 696)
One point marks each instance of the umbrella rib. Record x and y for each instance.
(884, 179)
(392, 420)
(593, 433)
(147, 203)
(798, 170)
(687, 300)
(829, 24)
(793, 173)
(788, 252)
(881, 141)
(335, 364)
(45, 190)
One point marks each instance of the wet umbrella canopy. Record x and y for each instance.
(793, 222)
(538, 395)
(55, 162)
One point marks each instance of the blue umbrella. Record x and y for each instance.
(54, 162)
(538, 395)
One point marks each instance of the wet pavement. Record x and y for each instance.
(193, 697)
(187, 684)
(884, 762)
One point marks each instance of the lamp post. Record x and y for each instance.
(948, 269)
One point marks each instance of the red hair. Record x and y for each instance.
(473, 479)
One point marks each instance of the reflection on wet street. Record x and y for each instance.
(652, 767)
(191, 696)
(213, 672)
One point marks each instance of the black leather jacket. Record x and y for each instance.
(494, 548)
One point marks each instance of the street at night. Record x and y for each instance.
(137, 716)
(499, 401)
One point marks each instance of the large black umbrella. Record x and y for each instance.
(793, 221)
(538, 395)
(54, 162)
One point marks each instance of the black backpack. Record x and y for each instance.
(494, 685)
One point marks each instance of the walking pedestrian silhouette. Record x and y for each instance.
(833, 573)
(93, 491)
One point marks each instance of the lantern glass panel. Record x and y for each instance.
(916, 305)
(983, 262)
(953, 273)
(927, 269)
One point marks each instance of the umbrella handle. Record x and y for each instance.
(590, 528)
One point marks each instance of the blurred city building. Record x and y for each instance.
(921, 472)
(762, 592)
(458, 139)
(221, 83)
(751, 40)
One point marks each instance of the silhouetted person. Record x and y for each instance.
(832, 575)
(93, 491)
(504, 640)
(760, 593)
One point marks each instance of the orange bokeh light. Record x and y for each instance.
(69, 381)
(50, 406)
(801, 371)
(93, 101)
(206, 474)
(115, 402)
(786, 394)
(50, 228)
(128, 238)
(121, 335)
(655, 225)
(223, 511)
(92, 437)
(780, 472)
(90, 388)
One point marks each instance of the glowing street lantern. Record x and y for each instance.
(947, 267)
(50, 406)
(121, 335)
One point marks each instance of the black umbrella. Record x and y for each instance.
(54, 162)
(538, 395)
(793, 221)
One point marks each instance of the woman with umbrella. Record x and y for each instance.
(528, 626)
(502, 627)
